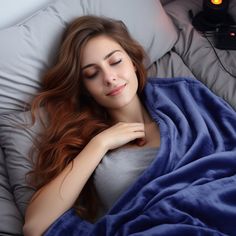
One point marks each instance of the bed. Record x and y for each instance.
(28, 48)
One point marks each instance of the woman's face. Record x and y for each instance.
(108, 73)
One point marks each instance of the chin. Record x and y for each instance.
(119, 104)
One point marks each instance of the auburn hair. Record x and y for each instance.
(72, 117)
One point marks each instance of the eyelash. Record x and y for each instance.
(91, 76)
(95, 74)
(117, 62)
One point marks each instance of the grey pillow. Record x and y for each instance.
(29, 48)
(165, 2)
(11, 219)
(17, 137)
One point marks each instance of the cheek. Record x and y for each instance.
(133, 79)
(130, 77)
(91, 87)
(96, 93)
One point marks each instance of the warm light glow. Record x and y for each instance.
(216, 2)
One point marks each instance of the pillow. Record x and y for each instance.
(164, 2)
(29, 48)
(17, 138)
(11, 219)
(147, 21)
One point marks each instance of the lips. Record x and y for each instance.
(116, 90)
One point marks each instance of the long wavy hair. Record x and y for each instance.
(72, 117)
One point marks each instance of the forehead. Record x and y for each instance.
(98, 47)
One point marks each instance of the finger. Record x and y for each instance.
(137, 134)
(131, 124)
(137, 127)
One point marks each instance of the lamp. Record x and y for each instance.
(214, 15)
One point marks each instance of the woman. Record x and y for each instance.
(92, 99)
(100, 152)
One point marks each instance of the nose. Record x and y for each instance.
(109, 77)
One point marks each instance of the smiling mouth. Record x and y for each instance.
(116, 91)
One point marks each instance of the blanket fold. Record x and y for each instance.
(190, 187)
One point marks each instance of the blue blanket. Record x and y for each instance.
(190, 187)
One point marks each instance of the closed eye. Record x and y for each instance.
(116, 62)
(90, 76)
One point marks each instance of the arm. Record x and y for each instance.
(59, 195)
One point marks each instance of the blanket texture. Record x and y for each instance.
(190, 187)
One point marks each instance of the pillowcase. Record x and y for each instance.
(164, 2)
(11, 220)
(30, 48)
(17, 138)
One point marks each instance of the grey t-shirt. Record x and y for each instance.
(118, 170)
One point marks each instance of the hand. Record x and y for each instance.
(120, 134)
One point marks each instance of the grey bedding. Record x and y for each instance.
(197, 53)
(10, 216)
(190, 55)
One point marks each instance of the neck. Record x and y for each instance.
(133, 112)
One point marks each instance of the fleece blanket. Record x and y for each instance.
(190, 187)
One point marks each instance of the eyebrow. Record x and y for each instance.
(106, 57)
